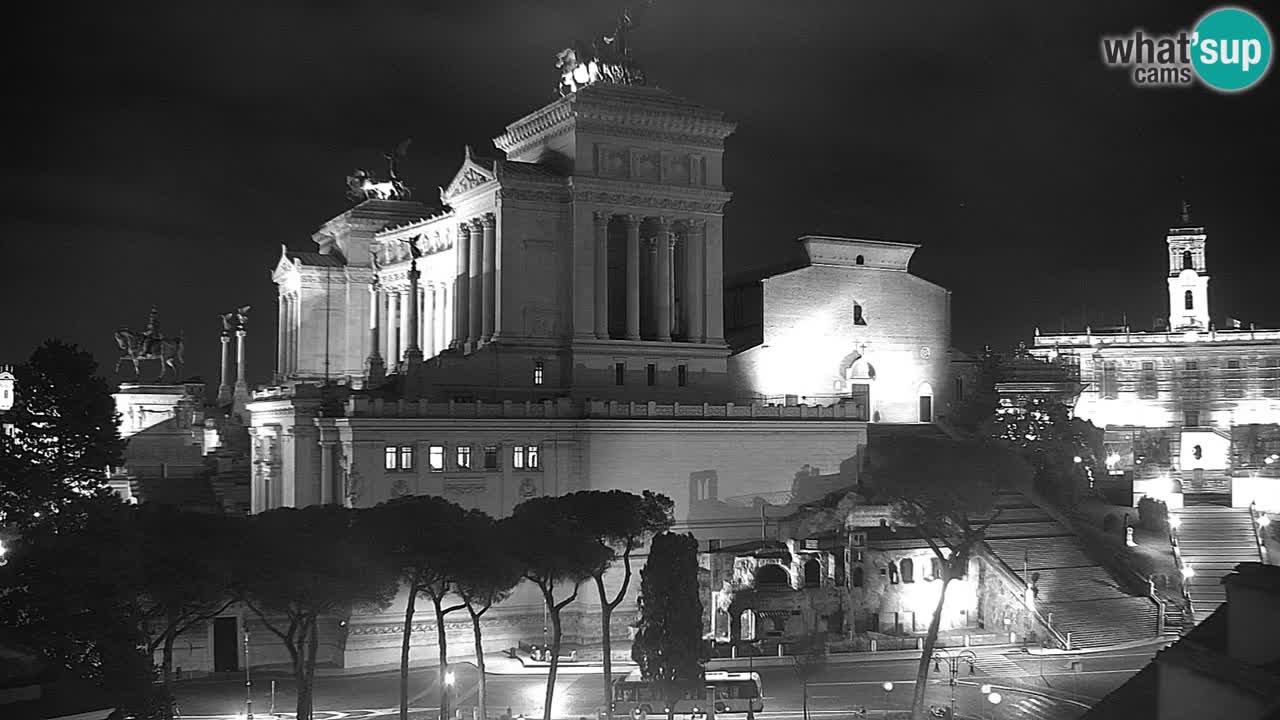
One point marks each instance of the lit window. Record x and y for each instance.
(406, 457)
(435, 458)
(525, 457)
(464, 457)
(389, 457)
(651, 374)
(619, 373)
(537, 372)
(491, 457)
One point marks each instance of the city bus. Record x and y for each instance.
(737, 693)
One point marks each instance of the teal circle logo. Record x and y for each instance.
(1231, 49)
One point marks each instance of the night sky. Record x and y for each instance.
(162, 154)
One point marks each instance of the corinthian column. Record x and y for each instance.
(403, 313)
(411, 317)
(281, 336)
(488, 300)
(633, 276)
(695, 296)
(602, 274)
(662, 280)
(241, 397)
(377, 370)
(462, 287)
(224, 388)
(393, 322)
(475, 284)
(429, 313)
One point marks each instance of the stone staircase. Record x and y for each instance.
(1074, 592)
(1213, 540)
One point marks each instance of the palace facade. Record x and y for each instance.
(1191, 409)
(559, 326)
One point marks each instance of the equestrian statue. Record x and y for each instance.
(150, 345)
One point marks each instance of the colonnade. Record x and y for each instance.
(678, 264)
(290, 309)
(391, 317)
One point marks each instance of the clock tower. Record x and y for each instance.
(1188, 277)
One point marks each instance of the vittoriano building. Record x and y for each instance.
(558, 322)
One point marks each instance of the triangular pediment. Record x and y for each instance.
(471, 175)
(284, 266)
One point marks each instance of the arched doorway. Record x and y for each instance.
(771, 575)
(813, 574)
(926, 403)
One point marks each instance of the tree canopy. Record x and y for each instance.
(64, 437)
(668, 643)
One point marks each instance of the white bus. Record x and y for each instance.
(737, 693)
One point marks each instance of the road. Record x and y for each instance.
(1032, 688)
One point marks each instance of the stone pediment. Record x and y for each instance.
(284, 266)
(471, 175)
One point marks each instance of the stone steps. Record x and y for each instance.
(1041, 553)
(1213, 541)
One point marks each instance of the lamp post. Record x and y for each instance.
(994, 698)
(248, 682)
(985, 689)
(448, 683)
(888, 688)
(953, 660)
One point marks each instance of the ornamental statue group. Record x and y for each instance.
(607, 59)
(149, 344)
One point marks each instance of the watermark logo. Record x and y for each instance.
(1229, 51)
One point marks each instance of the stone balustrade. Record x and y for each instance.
(565, 409)
(1155, 338)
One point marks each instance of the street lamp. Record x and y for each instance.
(985, 689)
(953, 661)
(448, 683)
(994, 698)
(888, 688)
(248, 682)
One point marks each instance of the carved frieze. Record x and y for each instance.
(648, 201)
(464, 486)
(613, 162)
(540, 196)
(648, 166)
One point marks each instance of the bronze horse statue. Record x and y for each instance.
(137, 347)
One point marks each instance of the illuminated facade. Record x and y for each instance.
(560, 327)
(855, 327)
(1178, 403)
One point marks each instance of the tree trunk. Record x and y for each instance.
(443, 646)
(480, 690)
(166, 662)
(555, 657)
(804, 688)
(404, 652)
(926, 655)
(606, 640)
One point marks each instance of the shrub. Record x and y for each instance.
(1153, 514)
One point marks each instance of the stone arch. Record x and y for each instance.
(771, 574)
(812, 573)
(1188, 262)
(859, 260)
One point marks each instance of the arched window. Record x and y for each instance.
(771, 575)
(893, 573)
(908, 570)
(812, 573)
(858, 260)
(1187, 262)
(1188, 300)
(857, 316)
(857, 577)
(935, 568)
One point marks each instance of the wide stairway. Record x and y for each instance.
(1078, 594)
(1213, 540)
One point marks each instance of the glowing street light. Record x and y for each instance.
(986, 691)
(888, 688)
(1188, 572)
(994, 698)
(1263, 521)
(1175, 522)
(1077, 459)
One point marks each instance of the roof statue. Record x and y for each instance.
(149, 345)
(237, 319)
(607, 59)
(362, 185)
(1186, 212)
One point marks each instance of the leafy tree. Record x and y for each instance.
(621, 521)
(65, 436)
(421, 537)
(188, 564)
(304, 564)
(945, 490)
(1045, 432)
(668, 643)
(554, 550)
(70, 588)
(487, 580)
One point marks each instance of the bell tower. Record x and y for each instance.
(1188, 276)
